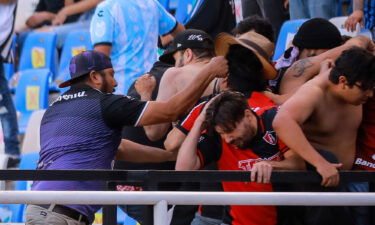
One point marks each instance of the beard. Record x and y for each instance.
(245, 141)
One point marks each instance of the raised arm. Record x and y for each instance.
(305, 69)
(168, 111)
(166, 90)
(72, 9)
(134, 152)
(187, 158)
(287, 124)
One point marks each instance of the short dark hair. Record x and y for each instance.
(84, 78)
(226, 111)
(256, 23)
(356, 65)
(245, 70)
(202, 53)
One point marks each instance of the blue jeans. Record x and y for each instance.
(8, 116)
(203, 220)
(302, 9)
(361, 214)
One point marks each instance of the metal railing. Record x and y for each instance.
(160, 200)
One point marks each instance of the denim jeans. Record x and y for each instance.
(302, 9)
(8, 116)
(203, 220)
(361, 214)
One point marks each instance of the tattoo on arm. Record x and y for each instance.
(300, 67)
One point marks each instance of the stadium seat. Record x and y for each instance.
(287, 32)
(29, 161)
(339, 23)
(31, 94)
(39, 52)
(76, 42)
(31, 140)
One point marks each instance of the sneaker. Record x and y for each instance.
(13, 162)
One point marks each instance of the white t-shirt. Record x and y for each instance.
(6, 27)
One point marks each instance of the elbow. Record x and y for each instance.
(170, 145)
(153, 136)
(277, 123)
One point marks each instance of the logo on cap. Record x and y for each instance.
(195, 37)
(179, 45)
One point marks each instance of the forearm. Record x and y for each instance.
(305, 69)
(156, 132)
(134, 152)
(187, 158)
(292, 161)
(174, 140)
(290, 132)
(79, 7)
(358, 4)
(183, 101)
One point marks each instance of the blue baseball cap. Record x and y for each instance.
(84, 63)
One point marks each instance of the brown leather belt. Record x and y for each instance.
(60, 209)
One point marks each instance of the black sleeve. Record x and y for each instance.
(209, 148)
(41, 6)
(120, 110)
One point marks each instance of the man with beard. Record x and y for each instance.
(190, 51)
(238, 138)
(82, 129)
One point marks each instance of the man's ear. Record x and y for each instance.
(189, 55)
(342, 82)
(95, 78)
(248, 114)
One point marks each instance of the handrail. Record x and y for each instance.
(177, 176)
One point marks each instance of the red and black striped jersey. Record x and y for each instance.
(365, 155)
(264, 146)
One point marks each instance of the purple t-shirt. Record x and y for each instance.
(82, 130)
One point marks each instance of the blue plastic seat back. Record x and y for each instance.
(29, 161)
(39, 52)
(184, 9)
(75, 43)
(287, 32)
(31, 94)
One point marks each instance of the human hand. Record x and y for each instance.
(329, 173)
(261, 172)
(326, 65)
(286, 4)
(218, 66)
(38, 18)
(60, 18)
(145, 85)
(356, 17)
(362, 42)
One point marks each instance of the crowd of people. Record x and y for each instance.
(213, 100)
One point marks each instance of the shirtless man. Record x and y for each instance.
(190, 51)
(304, 69)
(326, 111)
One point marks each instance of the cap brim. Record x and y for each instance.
(224, 40)
(65, 84)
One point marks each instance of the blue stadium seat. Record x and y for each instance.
(31, 94)
(29, 161)
(184, 9)
(39, 52)
(75, 42)
(287, 32)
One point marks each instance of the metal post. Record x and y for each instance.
(161, 213)
(110, 211)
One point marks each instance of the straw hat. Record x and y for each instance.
(260, 45)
